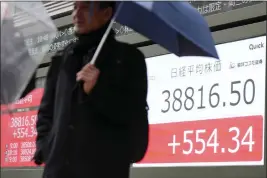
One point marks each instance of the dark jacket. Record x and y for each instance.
(82, 135)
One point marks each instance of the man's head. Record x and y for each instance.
(91, 15)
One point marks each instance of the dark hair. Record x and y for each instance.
(106, 4)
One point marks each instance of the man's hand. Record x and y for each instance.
(89, 74)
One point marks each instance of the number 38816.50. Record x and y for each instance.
(178, 99)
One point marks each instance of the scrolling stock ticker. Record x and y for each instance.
(202, 111)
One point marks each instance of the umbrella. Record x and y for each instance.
(21, 54)
(176, 26)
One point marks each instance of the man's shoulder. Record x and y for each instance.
(127, 47)
(129, 51)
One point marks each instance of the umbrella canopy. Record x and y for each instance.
(21, 47)
(175, 25)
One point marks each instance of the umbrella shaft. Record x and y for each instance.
(103, 40)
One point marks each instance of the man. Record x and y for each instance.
(98, 127)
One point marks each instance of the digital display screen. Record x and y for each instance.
(207, 112)
(203, 111)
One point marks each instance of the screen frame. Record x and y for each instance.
(220, 37)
